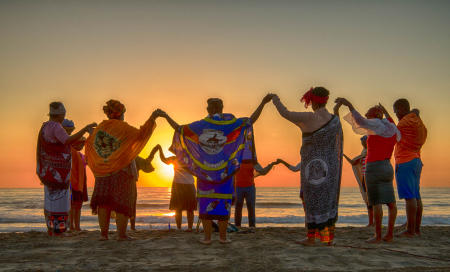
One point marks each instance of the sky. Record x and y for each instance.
(174, 55)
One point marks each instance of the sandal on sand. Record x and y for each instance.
(204, 242)
(227, 241)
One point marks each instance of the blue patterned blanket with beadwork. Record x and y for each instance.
(212, 148)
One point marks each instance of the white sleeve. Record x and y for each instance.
(363, 126)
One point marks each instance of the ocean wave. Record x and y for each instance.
(278, 204)
(153, 205)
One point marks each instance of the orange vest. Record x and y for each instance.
(414, 135)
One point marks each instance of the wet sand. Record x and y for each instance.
(267, 249)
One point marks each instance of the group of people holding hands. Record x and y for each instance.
(220, 151)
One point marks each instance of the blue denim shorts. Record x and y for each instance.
(408, 179)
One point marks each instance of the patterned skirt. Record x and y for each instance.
(183, 197)
(116, 192)
(56, 209)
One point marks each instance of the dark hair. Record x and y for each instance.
(114, 109)
(215, 105)
(321, 91)
(402, 103)
(215, 101)
(55, 105)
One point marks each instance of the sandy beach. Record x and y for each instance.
(268, 249)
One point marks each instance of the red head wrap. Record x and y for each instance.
(114, 109)
(374, 112)
(310, 97)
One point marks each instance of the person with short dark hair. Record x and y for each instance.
(408, 164)
(212, 150)
(382, 136)
(321, 163)
(54, 163)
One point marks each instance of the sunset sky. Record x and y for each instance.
(174, 55)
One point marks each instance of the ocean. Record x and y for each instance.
(22, 209)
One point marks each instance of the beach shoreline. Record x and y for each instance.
(268, 248)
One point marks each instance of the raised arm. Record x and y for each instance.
(163, 158)
(342, 101)
(291, 167)
(369, 126)
(151, 156)
(294, 117)
(349, 160)
(171, 122)
(145, 165)
(75, 137)
(358, 118)
(263, 171)
(385, 112)
(258, 110)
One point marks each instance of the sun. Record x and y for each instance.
(161, 177)
(166, 171)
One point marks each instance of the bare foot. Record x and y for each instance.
(418, 233)
(205, 242)
(306, 242)
(103, 238)
(406, 234)
(226, 241)
(373, 240)
(388, 238)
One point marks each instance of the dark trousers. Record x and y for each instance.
(249, 194)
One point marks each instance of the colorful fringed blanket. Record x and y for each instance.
(212, 148)
(114, 144)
